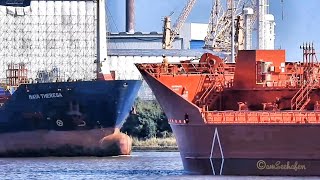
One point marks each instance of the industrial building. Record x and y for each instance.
(49, 37)
(191, 36)
(139, 40)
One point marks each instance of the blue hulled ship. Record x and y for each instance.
(58, 96)
(67, 106)
(66, 118)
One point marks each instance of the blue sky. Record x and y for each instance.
(301, 21)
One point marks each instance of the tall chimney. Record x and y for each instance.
(130, 16)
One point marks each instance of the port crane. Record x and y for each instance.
(219, 26)
(231, 25)
(218, 36)
(169, 34)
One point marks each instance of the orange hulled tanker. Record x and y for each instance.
(258, 116)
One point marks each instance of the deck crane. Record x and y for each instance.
(169, 33)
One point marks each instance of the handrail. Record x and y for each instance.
(301, 98)
(294, 100)
(207, 91)
(197, 68)
(210, 90)
(261, 117)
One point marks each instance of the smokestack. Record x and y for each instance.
(130, 16)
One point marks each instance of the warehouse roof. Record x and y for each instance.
(160, 52)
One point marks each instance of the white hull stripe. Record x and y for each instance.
(216, 136)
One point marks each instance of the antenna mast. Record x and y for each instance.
(232, 33)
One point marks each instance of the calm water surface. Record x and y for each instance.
(140, 165)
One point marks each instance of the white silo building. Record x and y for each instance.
(47, 36)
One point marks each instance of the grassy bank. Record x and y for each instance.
(154, 144)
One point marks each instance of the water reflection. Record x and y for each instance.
(140, 165)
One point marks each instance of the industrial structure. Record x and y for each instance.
(169, 33)
(230, 26)
(139, 40)
(49, 38)
(266, 35)
(241, 15)
(245, 14)
(130, 16)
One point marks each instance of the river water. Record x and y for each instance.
(139, 165)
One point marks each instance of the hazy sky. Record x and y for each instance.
(300, 23)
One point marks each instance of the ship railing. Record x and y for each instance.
(301, 96)
(229, 83)
(181, 68)
(280, 84)
(261, 117)
(207, 91)
(170, 69)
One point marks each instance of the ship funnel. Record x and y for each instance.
(130, 16)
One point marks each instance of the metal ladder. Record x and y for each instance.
(301, 99)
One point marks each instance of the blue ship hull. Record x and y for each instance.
(74, 112)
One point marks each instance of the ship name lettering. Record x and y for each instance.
(278, 165)
(34, 96)
(51, 95)
(45, 96)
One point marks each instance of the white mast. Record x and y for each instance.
(261, 23)
(232, 33)
(102, 39)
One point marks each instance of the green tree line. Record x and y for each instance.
(148, 120)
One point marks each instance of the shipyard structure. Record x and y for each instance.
(49, 38)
